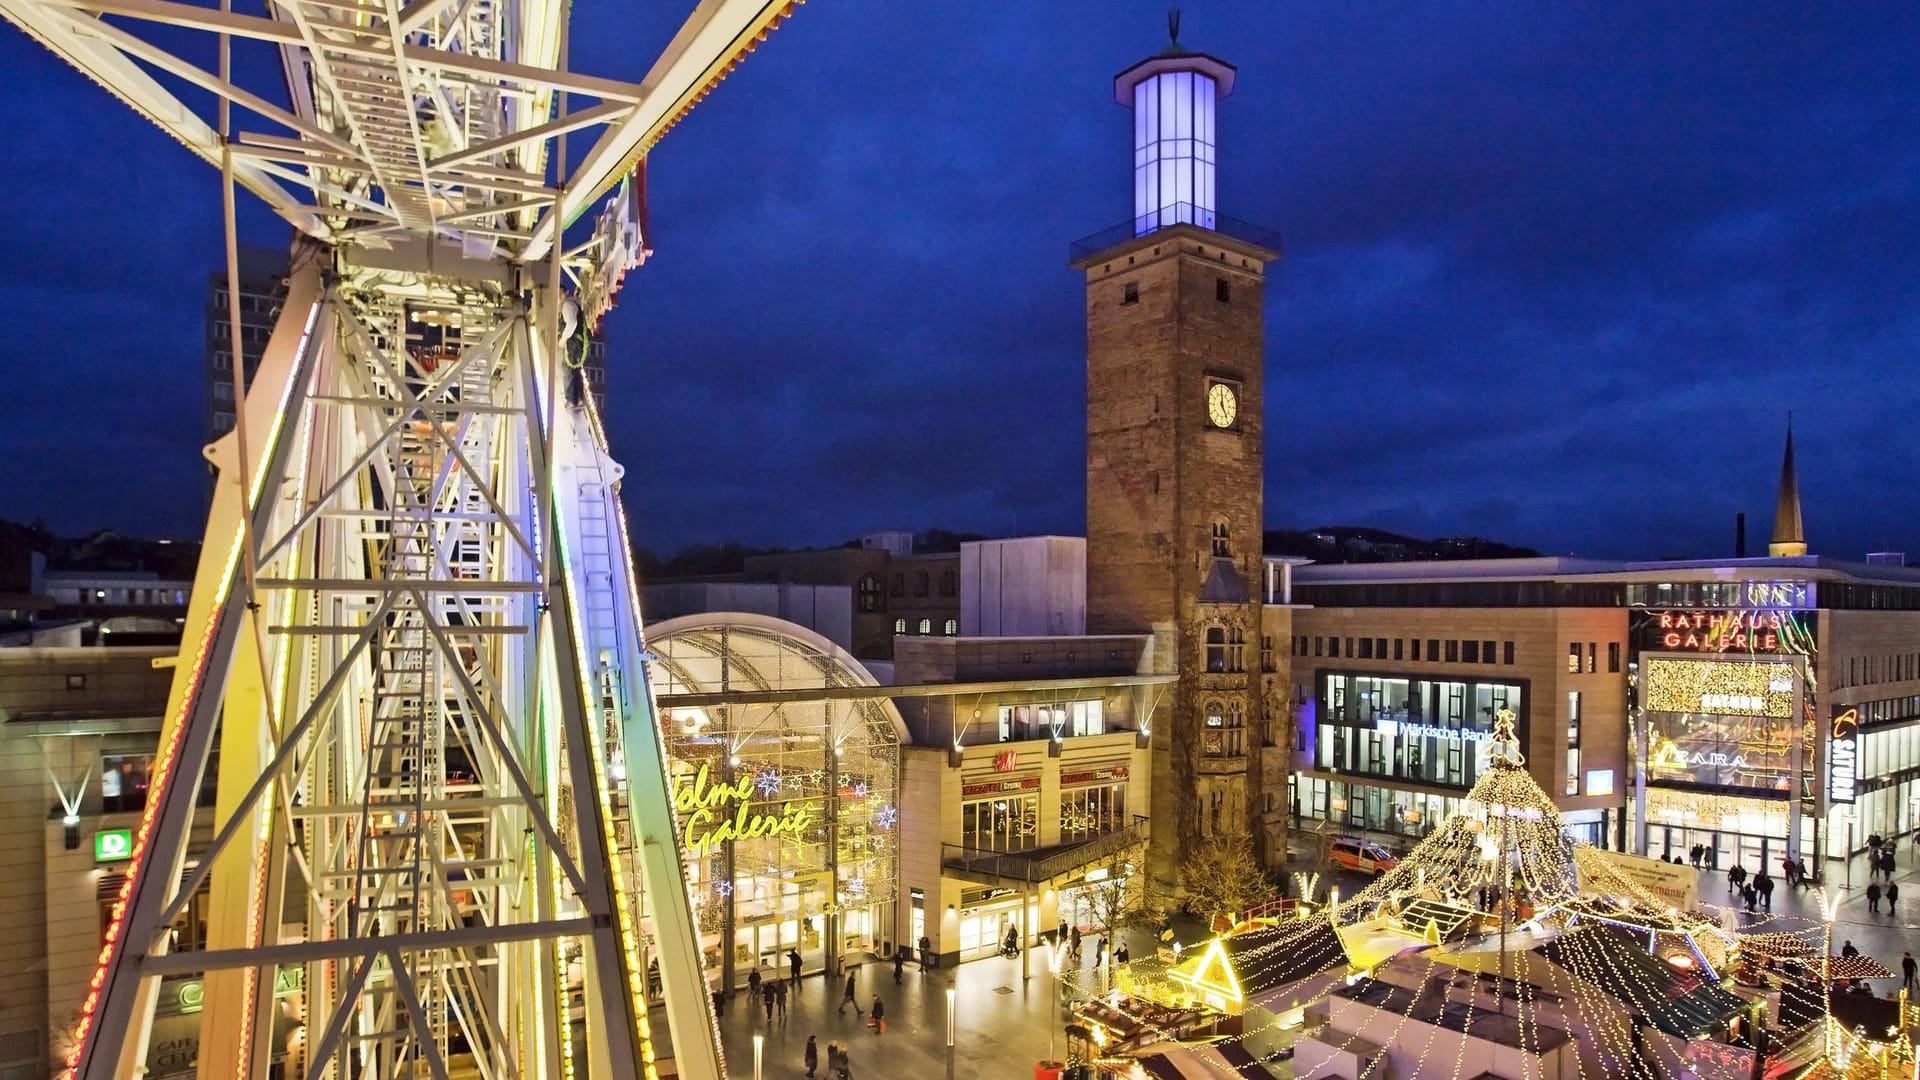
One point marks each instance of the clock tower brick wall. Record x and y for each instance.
(1159, 477)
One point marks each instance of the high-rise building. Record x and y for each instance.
(263, 286)
(1175, 423)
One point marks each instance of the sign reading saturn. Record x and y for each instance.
(720, 812)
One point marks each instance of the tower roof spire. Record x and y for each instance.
(1789, 536)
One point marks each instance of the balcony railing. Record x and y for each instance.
(1045, 864)
(1165, 218)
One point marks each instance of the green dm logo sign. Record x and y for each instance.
(112, 845)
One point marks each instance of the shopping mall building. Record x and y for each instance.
(1753, 706)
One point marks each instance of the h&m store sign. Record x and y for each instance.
(1747, 630)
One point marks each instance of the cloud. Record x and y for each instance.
(1552, 275)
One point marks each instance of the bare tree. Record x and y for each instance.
(1122, 898)
(1224, 877)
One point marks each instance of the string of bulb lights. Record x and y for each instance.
(1505, 843)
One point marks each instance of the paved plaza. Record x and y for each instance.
(1004, 1020)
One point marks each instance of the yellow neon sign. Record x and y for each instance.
(704, 803)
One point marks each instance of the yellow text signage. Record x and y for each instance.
(718, 813)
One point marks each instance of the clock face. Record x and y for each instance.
(1223, 406)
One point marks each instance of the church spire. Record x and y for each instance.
(1789, 537)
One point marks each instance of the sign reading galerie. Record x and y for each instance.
(705, 803)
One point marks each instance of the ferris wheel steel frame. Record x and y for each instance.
(414, 645)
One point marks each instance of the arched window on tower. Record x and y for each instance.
(1236, 650)
(1222, 539)
(1216, 648)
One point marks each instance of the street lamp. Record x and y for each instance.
(759, 1050)
(953, 1014)
(1053, 997)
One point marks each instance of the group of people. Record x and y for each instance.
(1880, 856)
(900, 954)
(839, 1065)
(1760, 889)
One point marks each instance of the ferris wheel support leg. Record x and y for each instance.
(117, 1012)
(616, 1014)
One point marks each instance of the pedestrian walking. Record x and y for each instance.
(1873, 898)
(1893, 894)
(1750, 895)
(719, 1005)
(879, 1018)
(812, 1056)
(780, 998)
(926, 951)
(1764, 885)
(1907, 972)
(1060, 935)
(793, 970)
(766, 996)
(847, 998)
(1736, 877)
(753, 982)
(1099, 950)
(1120, 954)
(899, 964)
(1693, 856)
(1849, 949)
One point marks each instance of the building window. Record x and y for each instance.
(1366, 648)
(900, 625)
(76, 681)
(123, 782)
(873, 596)
(1090, 811)
(1003, 823)
(1506, 653)
(1130, 293)
(1380, 647)
(1433, 650)
(899, 584)
(1573, 742)
(1573, 658)
(1266, 653)
(926, 626)
(1222, 290)
(1593, 657)
(1333, 646)
(1470, 652)
(949, 582)
(1613, 657)
(1222, 539)
(920, 583)
(1399, 648)
(952, 628)
(1216, 656)
(1453, 651)
(1236, 650)
(1316, 644)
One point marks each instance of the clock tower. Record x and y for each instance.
(1175, 428)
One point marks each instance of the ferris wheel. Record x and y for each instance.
(440, 842)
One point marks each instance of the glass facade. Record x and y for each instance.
(1006, 822)
(1427, 731)
(786, 816)
(1173, 151)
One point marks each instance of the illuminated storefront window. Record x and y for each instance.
(1428, 731)
(787, 813)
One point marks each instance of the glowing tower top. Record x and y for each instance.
(1173, 96)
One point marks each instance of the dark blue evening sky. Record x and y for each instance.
(1554, 273)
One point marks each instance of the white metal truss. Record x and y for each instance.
(432, 117)
(442, 842)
